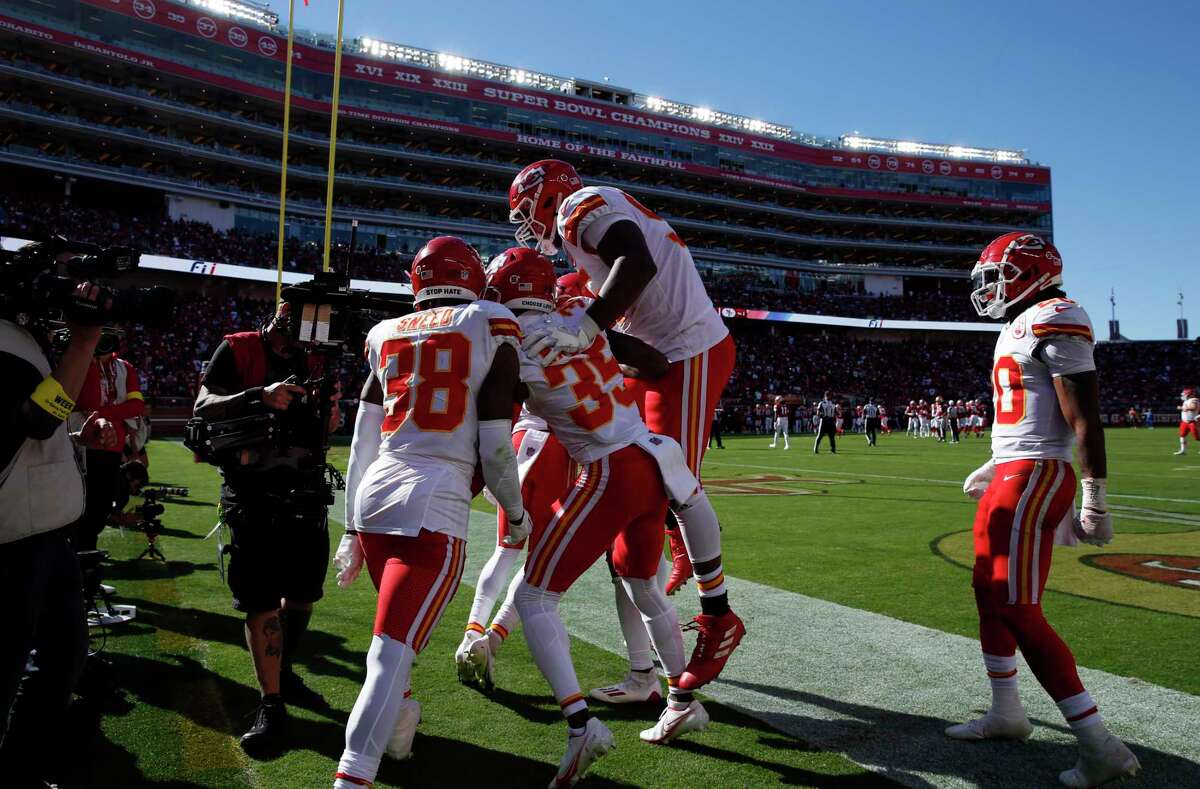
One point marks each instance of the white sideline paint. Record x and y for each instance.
(881, 691)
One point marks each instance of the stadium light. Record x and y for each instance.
(245, 10)
(456, 64)
(912, 148)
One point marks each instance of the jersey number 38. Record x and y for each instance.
(426, 380)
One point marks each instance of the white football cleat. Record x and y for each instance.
(1099, 764)
(1181, 452)
(582, 751)
(399, 746)
(672, 723)
(479, 655)
(636, 687)
(993, 726)
(462, 657)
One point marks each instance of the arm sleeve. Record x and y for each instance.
(364, 449)
(1066, 355)
(500, 466)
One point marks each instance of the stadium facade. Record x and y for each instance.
(185, 99)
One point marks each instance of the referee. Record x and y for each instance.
(825, 427)
(871, 418)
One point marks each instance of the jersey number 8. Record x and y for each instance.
(427, 379)
(1009, 391)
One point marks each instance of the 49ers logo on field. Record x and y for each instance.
(770, 485)
(1178, 571)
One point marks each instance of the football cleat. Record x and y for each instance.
(716, 638)
(1181, 452)
(482, 662)
(993, 726)
(582, 751)
(1099, 764)
(673, 723)
(399, 745)
(681, 565)
(635, 688)
(462, 657)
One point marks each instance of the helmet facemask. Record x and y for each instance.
(532, 232)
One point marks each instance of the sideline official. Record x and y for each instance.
(826, 425)
(272, 502)
(871, 421)
(41, 493)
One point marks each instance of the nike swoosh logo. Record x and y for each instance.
(669, 729)
(1011, 476)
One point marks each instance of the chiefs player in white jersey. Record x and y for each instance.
(629, 476)
(438, 400)
(1046, 400)
(1189, 409)
(643, 274)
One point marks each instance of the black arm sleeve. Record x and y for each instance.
(20, 419)
(221, 396)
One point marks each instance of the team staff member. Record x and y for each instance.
(826, 425)
(280, 542)
(41, 493)
(111, 391)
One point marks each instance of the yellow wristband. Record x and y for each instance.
(51, 398)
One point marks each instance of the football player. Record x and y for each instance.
(643, 274)
(439, 398)
(914, 421)
(628, 477)
(779, 410)
(1189, 408)
(1046, 399)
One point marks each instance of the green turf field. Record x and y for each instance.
(877, 532)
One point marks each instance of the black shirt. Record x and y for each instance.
(272, 469)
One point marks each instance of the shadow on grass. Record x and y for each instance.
(899, 744)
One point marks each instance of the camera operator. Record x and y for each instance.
(129, 483)
(279, 550)
(41, 493)
(111, 391)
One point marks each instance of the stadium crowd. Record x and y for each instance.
(772, 359)
(24, 217)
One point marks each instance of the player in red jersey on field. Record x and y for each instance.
(438, 401)
(629, 476)
(1046, 398)
(644, 276)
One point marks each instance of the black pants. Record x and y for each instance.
(716, 434)
(102, 471)
(827, 427)
(954, 429)
(42, 591)
(872, 429)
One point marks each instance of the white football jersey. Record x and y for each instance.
(1028, 421)
(674, 313)
(1190, 408)
(582, 397)
(430, 365)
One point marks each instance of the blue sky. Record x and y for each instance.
(1107, 94)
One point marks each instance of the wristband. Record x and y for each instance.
(1095, 492)
(52, 398)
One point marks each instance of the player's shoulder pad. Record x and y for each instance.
(1060, 317)
(582, 208)
(501, 322)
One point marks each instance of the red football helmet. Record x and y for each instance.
(1188, 394)
(574, 286)
(521, 279)
(534, 197)
(1011, 269)
(446, 268)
